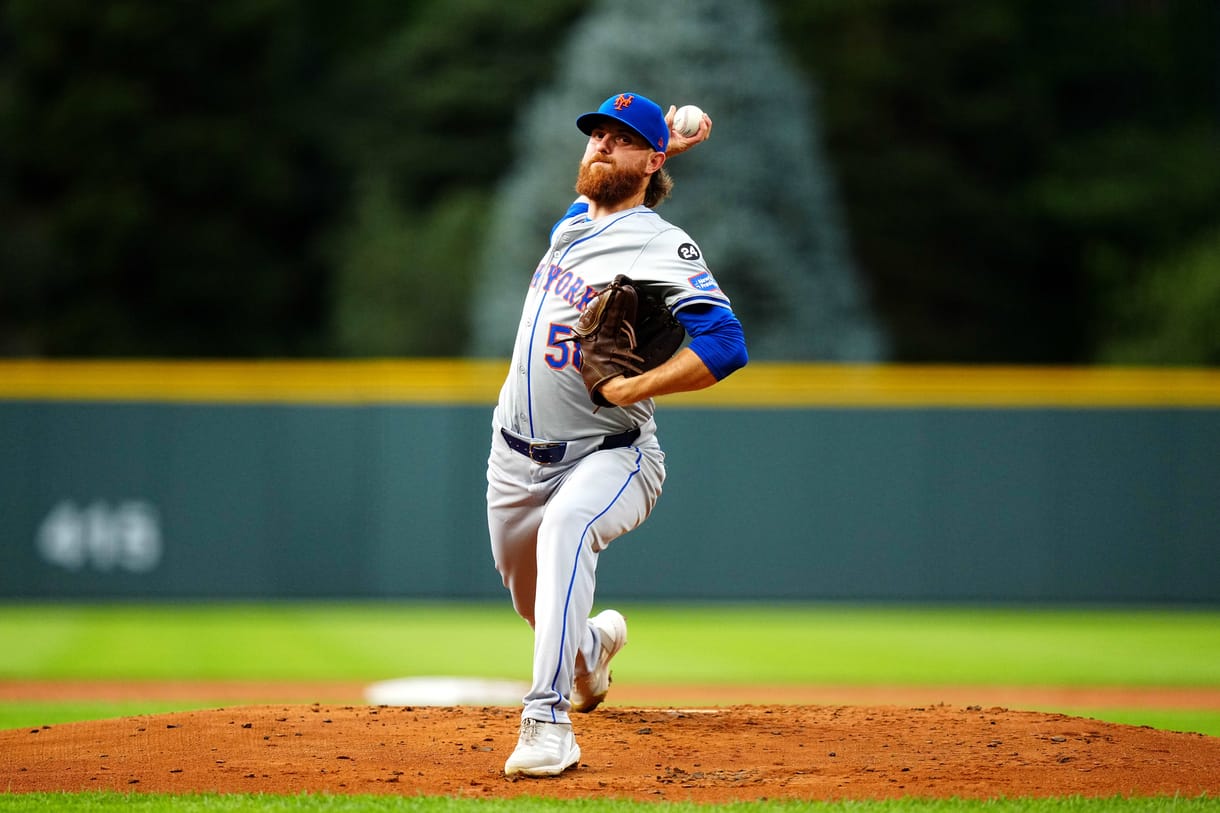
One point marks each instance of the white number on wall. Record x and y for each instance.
(101, 536)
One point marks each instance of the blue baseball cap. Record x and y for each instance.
(638, 112)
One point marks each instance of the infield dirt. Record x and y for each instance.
(702, 754)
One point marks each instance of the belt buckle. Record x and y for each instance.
(542, 452)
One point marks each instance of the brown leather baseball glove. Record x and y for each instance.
(623, 331)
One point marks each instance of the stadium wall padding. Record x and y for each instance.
(160, 499)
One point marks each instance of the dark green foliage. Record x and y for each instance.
(1015, 171)
(176, 178)
(159, 195)
(1022, 181)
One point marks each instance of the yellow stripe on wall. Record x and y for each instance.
(313, 382)
(477, 382)
(795, 385)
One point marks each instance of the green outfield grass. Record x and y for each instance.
(717, 644)
(708, 644)
(714, 643)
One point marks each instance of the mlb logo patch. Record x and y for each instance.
(704, 281)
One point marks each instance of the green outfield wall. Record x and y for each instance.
(365, 479)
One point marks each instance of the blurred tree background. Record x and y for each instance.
(780, 249)
(1021, 182)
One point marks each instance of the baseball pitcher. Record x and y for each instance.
(575, 461)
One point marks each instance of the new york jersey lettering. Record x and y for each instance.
(571, 288)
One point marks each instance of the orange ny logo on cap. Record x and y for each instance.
(623, 101)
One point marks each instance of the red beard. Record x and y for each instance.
(609, 185)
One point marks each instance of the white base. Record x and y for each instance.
(445, 691)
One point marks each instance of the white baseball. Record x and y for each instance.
(687, 120)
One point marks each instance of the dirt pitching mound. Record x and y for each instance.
(718, 754)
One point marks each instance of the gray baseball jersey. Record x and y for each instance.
(544, 396)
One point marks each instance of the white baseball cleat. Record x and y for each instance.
(543, 749)
(588, 691)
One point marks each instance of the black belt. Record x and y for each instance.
(552, 451)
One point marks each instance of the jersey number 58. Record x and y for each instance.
(562, 353)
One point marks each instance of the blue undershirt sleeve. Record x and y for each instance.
(578, 207)
(716, 337)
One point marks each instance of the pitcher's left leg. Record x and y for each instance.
(606, 495)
